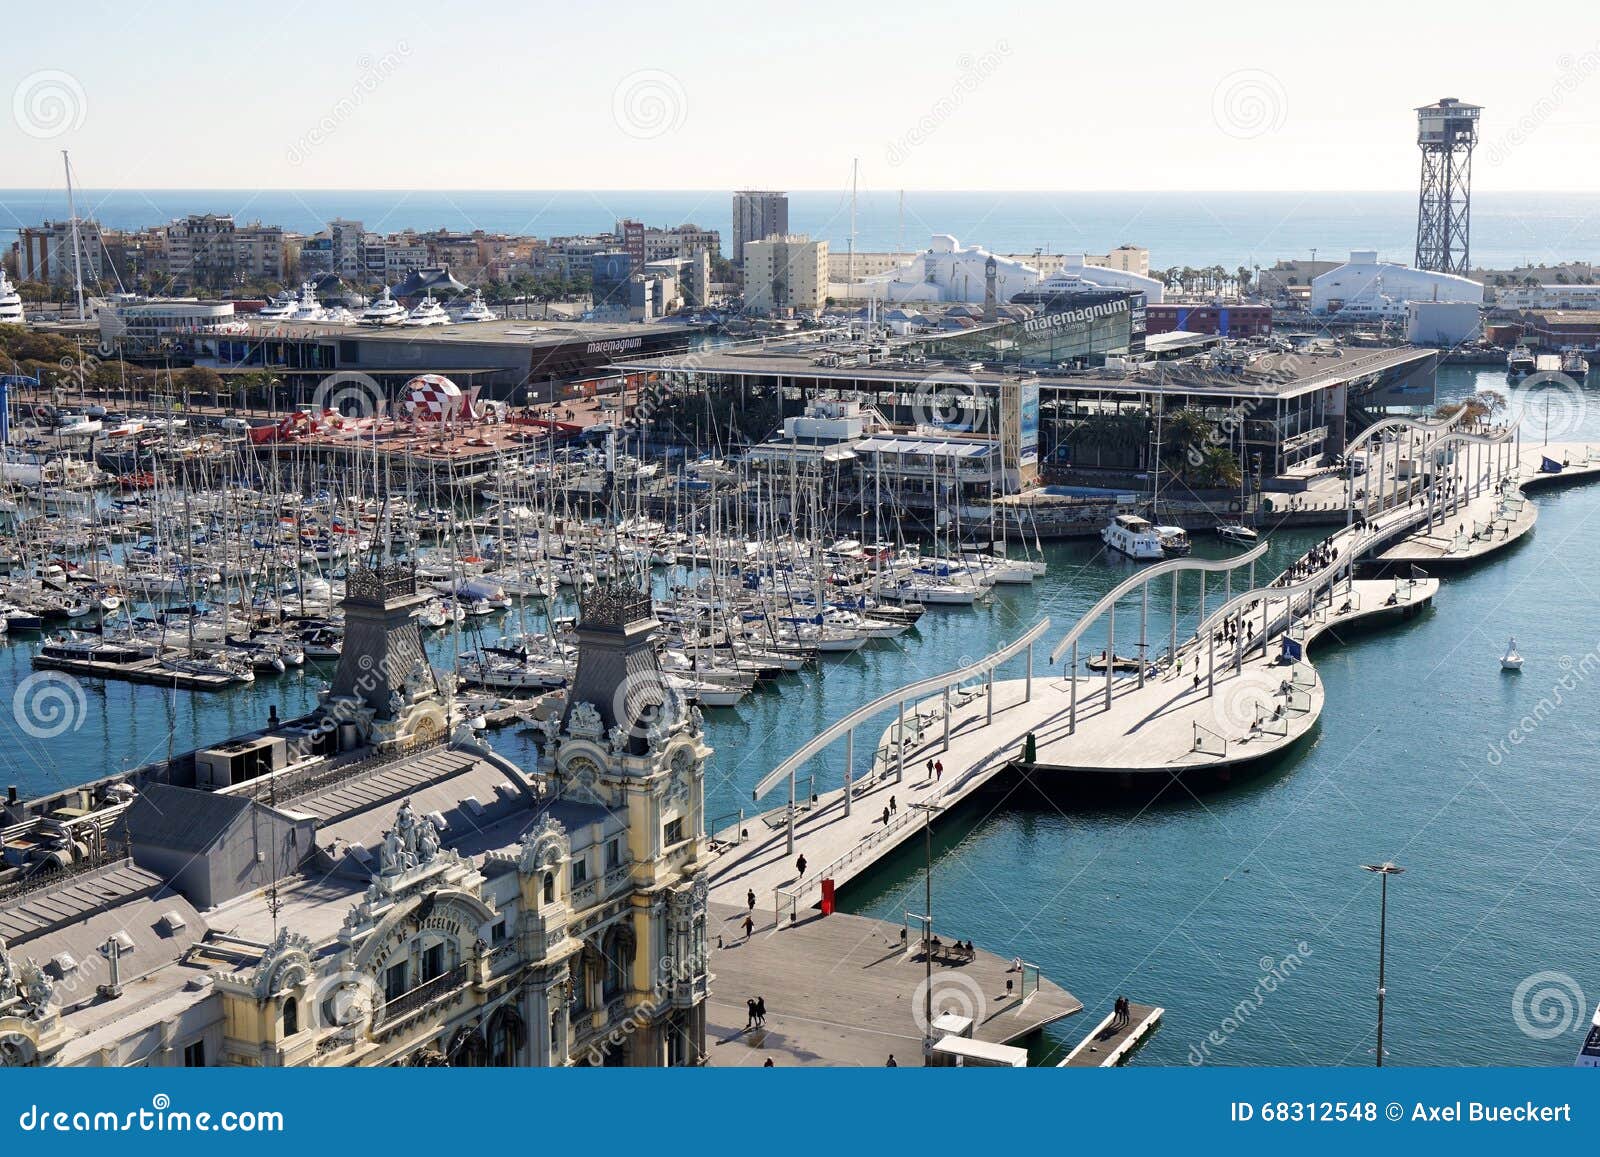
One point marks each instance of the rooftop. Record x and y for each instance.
(1251, 372)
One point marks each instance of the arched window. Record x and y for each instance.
(505, 1037)
(291, 1016)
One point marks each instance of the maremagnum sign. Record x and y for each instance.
(1069, 317)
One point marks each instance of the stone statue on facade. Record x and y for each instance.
(8, 974)
(427, 841)
(38, 991)
(391, 857)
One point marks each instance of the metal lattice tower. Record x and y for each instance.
(1446, 133)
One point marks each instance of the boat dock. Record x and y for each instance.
(148, 671)
(1107, 1046)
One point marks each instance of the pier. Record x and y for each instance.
(845, 990)
(1238, 688)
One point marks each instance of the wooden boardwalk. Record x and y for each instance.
(841, 990)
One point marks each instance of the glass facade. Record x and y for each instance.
(1073, 332)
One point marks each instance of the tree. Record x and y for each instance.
(202, 380)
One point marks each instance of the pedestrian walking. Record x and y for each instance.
(885, 817)
(892, 1063)
(938, 770)
(800, 864)
(750, 1020)
(749, 927)
(761, 1010)
(930, 769)
(894, 807)
(750, 898)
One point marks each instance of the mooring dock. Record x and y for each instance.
(1108, 1044)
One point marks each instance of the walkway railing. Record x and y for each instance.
(846, 727)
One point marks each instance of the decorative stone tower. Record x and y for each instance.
(629, 742)
(383, 682)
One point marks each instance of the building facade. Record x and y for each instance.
(372, 886)
(785, 273)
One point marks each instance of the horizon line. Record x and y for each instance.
(730, 190)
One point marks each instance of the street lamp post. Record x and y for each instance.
(927, 810)
(1383, 870)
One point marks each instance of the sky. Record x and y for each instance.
(298, 94)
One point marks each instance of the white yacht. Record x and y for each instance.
(1237, 532)
(280, 308)
(427, 312)
(384, 310)
(306, 306)
(10, 302)
(1134, 537)
(476, 310)
(1520, 361)
(1573, 363)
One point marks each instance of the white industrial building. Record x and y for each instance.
(951, 272)
(1442, 323)
(1368, 289)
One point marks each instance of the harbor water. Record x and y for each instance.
(1244, 911)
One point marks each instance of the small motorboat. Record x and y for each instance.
(1237, 532)
(1511, 660)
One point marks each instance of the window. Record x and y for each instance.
(580, 871)
(194, 1055)
(497, 934)
(291, 1017)
(549, 887)
(432, 963)
(673, 834)
(614, 853)
(394, 981)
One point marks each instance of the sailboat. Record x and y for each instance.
(1511, 660)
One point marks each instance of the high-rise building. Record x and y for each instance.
(785, 273)
(757, 215)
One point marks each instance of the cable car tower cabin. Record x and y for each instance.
(1446, 133)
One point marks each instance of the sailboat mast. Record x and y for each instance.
(72, 218)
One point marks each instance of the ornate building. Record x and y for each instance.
(372, 885)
